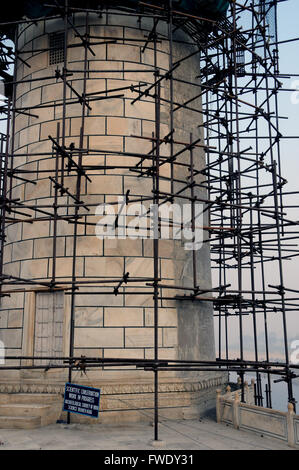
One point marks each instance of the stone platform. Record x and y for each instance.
(177, 435)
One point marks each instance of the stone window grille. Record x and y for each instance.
(56, 43)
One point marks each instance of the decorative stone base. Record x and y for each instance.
(124, 403)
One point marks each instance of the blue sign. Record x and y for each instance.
(82, 400)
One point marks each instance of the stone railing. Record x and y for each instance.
(249, 392)
(249, 417)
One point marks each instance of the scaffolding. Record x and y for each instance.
(242, 179)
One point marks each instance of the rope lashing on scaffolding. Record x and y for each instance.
(66, 154)
(125, 202)
(124, 280)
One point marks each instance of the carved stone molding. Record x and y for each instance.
(114, 389)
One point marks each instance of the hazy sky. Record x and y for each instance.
(289, 59)
(288, 27)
